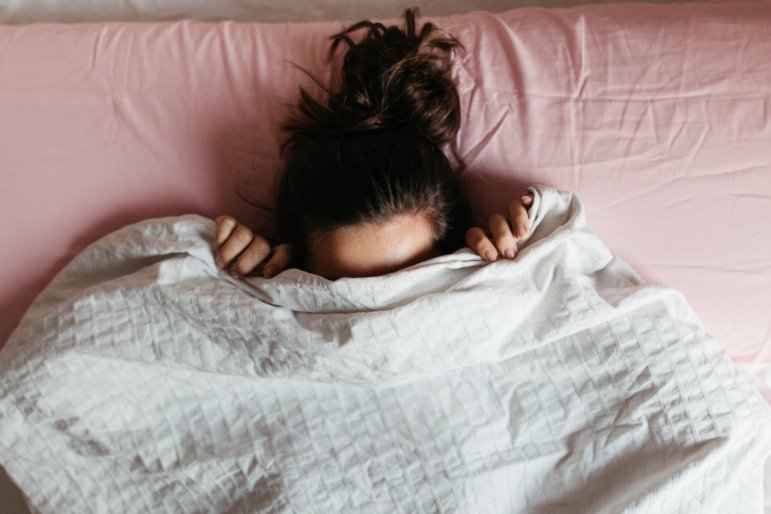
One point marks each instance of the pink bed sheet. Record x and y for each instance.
(659, 117)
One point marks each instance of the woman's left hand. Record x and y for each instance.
(505, 233)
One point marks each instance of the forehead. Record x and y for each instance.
(370, 249)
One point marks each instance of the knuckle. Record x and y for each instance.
(259, 247)
(224, 220)
(505, 238)
(474, 235)
(283, 253)
(498, 219)
(242, 234)
(499, 226)
(517, 211)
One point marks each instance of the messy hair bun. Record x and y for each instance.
(373, 151)
(392, 78)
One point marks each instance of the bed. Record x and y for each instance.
(263, 11)
(657, 116)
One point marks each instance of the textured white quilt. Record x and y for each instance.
(145, 380)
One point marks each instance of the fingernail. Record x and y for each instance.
(509, 252)
(520, 231)
(490, 254)
(219, 263)
(527, 199)
(268, 272)
(236, 275)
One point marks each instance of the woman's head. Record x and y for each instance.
(367, 188)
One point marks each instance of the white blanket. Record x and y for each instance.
(145, 380)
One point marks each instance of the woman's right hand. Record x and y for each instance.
(238, 248)
(504, 233)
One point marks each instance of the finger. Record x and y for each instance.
(251, 257)
(481, 244)
(527, 200)
(239, 239)
(504, 240)
(282, 256)
(519, 219)
(225, 227)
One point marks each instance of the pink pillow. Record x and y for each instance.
(658, 116)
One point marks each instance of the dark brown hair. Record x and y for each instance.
(374, 149)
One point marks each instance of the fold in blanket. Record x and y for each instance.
(144, 379)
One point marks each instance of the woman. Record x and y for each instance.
(367, 189)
